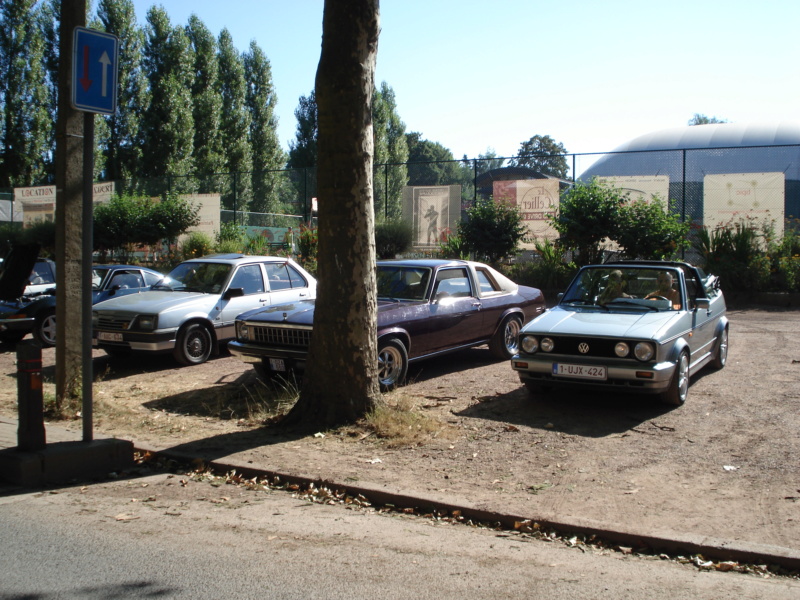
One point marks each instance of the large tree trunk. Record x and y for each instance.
(341, 380)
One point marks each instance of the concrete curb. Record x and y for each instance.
(667, 542)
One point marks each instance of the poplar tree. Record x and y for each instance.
(209, 156)
(49, 19)
(303, 149)
(26, 123)
(391, 154)
(235, 123)
(168, 122)
(268, 157)
(123, 148)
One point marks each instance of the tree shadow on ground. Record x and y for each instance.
(111, 368)
(569, 411)
(462, 360)
(233, 397)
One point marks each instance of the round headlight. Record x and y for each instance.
(548, 344)
(529, 344)
(242, 330)
(621, 349)
(644, 351)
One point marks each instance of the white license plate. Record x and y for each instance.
(277, 364)
(580, 371)
(106, 336)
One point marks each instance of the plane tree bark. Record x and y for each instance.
(341, 379)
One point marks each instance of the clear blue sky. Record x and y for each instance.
(476, 75)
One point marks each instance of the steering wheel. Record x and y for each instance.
(655, 297)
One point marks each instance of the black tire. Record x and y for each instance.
(193, 346)
(12, 337)
(505, 341)
(392, 364)
(678, 389)
(44, 331)
(721, 356)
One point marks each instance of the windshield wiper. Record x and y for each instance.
(629, 303)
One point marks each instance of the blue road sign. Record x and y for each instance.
(95, 58)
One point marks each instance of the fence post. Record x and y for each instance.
(235, 199)
(474, 180)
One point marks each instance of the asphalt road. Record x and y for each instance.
(161, 536)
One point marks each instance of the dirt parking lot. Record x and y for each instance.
(725, 465)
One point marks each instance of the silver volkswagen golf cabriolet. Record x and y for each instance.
(632, 326)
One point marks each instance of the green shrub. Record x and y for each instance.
(734, 253)
(229, 246)
(547, 271)
(492, 230)
(43, 234)
(230, 232)
(257, 244)
(197, 244)
(587, 216)
(647, 230)
(393, 238)
(453, 246)
(307, 245)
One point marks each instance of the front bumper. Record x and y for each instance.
(157, 341)
(254, 354)
(621, 375)
(25, 324)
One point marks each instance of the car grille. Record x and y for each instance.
(280, 336)
(581, 346)
(113, 323)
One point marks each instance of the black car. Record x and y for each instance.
(36, 312)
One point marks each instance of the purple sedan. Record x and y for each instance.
(425, 308)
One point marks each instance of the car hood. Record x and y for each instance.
(152, 302)
(302, 312)
(16, 271)
(614, 323)
(297, 313)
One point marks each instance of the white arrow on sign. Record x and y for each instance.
(106, 62)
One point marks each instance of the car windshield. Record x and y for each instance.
(207, 278)
(626, 287)
(99, 275)
(397, 282)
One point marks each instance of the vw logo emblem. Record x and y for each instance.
(583, 347)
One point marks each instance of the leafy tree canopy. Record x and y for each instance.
(542, 153)
(430, 163)
(699, 119)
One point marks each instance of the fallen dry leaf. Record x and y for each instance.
(125, 517)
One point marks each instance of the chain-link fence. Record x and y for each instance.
(706, 186)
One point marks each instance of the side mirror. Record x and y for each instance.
(702, 303)
(233, 293)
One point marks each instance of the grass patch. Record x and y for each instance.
(399, 423)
